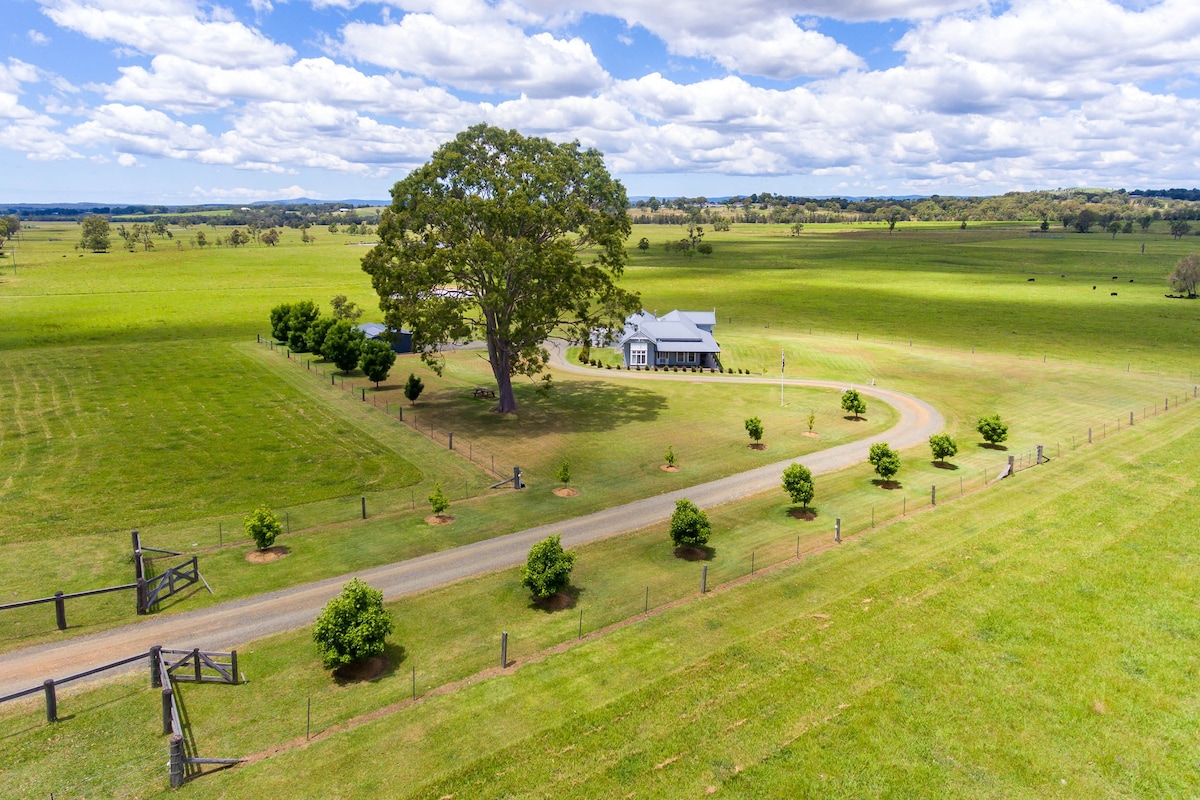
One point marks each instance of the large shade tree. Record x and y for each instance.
(506, 238)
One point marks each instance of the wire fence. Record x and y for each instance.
(613, 600)
(626, 597)
(421, 422)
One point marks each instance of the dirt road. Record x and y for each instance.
(234, 623)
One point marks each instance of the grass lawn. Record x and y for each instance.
(1035, 639)
(125, 368)
(992, 287)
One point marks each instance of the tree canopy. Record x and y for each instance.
(992, 429)
(1186, 275)
(94, 233)
(352, 626)
(262, 526)
(943, 446)
(342, 345)
(507, 238)
(853, 402)
(798, 483)
(547, 570)
(376, 359)
(689, 525)
(885, 460)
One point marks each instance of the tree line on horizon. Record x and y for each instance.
(1077, 209)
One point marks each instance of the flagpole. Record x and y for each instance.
(782, 366)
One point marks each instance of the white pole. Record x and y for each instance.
(782, 366)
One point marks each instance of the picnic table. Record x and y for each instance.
(485, 392)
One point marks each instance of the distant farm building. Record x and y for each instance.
(401, 341)
(677, 339)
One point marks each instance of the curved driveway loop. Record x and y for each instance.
(234, 623)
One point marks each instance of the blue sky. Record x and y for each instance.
(179, 101)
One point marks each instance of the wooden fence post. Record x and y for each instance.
(233, 667)
(60, 610)
(141, 596)
(837, 529)
(168, 700)
(51, 700)
(364, 506)
(155, 675)
(176, 768)
(196, 662)
(703, 578)
(504, 650)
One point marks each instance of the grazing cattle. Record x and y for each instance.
(1112, 294)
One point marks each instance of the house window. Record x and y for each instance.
(661, 358)
(690, 358)
(637, 355)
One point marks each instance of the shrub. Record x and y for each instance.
(547, 569)
(689, 525)
(352, 626)
(942, 446)
(300, 318)
(262, 526)
(280, 315)
(754, 427)
(438, 500)
(670, 456)
(798, 483)
(564, 472)
(342, 345)
(377, 359)
(885, 460)
(992, 429)
(413, 388)
(853, 402)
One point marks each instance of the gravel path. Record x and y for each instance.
(237, 622)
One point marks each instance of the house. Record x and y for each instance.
(677, 339)
(401, 341)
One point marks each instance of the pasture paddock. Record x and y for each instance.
(967, 618)
(126, 367)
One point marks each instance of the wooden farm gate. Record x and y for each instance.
(152, 591)
(196, 666)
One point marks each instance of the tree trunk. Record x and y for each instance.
(507, 404)
(499, 358)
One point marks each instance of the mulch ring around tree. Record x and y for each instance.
(368, 669)
(693, 553)
(811, 435)
(757, 446)
(270, 554)
(439, 519)
(669, 468)
(555, 602)
(566, 491)
(806, 514)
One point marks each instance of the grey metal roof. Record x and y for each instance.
(674, 332)
(372, 330)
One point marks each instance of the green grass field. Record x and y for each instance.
(998, 645)
(135, 396)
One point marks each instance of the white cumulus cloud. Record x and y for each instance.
(479, 57)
